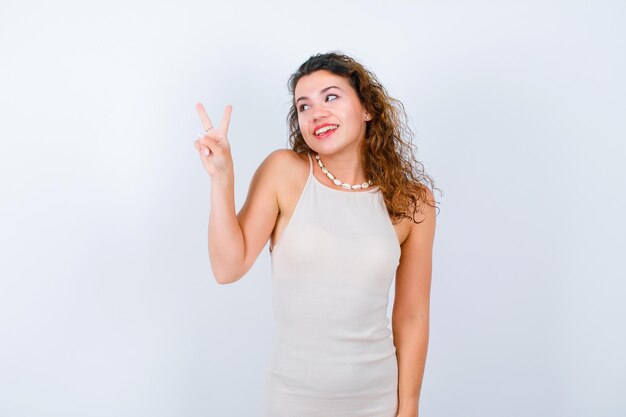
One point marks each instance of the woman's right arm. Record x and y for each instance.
(235, 241)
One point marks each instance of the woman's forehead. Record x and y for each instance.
(319, 79)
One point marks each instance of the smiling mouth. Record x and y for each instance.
(325, 134)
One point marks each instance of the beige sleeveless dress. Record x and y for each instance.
(332, 352)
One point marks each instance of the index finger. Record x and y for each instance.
(206, 122)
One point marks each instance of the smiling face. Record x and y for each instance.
(323, 98)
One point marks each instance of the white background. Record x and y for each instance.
(107, 302)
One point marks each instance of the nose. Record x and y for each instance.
(319, 112)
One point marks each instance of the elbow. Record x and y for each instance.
(232, 274)
(226, 271)
(221, 281)
(226, 277)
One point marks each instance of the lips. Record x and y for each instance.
(323, 125)
(326, 134)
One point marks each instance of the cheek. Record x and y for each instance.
(302, 124)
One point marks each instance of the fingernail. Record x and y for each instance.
(206, 151)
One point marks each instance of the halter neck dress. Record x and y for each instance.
(332, 351)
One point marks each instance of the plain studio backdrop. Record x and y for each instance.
(107, 302)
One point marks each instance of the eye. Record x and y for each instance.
(301, 107)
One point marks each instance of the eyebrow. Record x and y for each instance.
(325, 89)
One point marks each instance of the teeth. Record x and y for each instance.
(325, 129)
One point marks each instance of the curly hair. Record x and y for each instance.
(386, 153)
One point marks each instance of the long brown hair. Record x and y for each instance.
(386, 154)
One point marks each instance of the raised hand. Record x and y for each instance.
(213, 145)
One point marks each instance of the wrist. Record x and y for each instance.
(223, 179)
(408, 408)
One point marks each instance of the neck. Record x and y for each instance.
(346, 168)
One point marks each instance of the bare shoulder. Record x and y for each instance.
(423, 228)
(284, 171)
(282, 165)
(283, 160)
(290, 171)
(273, 167)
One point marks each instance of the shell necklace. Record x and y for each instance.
(339, 182)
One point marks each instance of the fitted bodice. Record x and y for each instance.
(331, 274)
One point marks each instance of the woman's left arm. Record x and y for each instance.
(410, 316)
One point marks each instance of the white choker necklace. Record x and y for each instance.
(338, 182)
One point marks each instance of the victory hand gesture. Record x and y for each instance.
(213, 145)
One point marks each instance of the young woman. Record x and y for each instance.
(346, 209)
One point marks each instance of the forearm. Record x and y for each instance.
(226, 244)
(411, 341)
